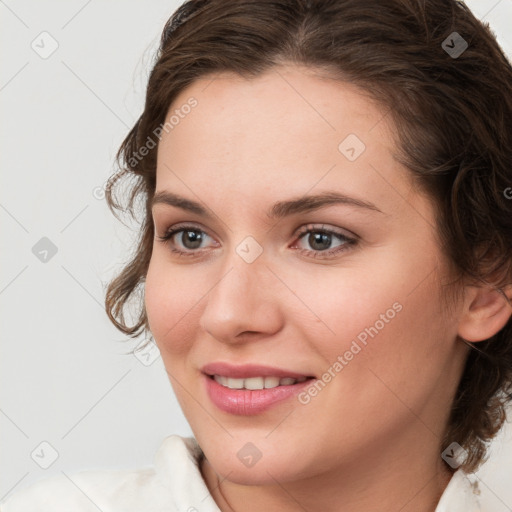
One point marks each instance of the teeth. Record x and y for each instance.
(254, 383)
(221, 380)
(271, 382)
(233, 383)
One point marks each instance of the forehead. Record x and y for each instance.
(294, 98)
(287, 129)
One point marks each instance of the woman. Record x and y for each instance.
(325, 258)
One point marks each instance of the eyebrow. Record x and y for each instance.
(279, 210)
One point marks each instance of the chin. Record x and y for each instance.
(274, 463)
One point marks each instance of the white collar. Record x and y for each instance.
(461, 494)
(177, 461)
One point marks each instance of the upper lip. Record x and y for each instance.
(248, 370)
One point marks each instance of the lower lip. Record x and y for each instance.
(247, 402)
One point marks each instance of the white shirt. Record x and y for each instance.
(174, 483)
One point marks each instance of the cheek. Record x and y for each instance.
(389, 347)
(171, 305)
(348, 301)
(383, 317)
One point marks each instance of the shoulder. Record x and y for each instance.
(90, 491)
(152, 488)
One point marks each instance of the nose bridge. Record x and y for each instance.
(241, 299)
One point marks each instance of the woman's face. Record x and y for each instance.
(306, 250)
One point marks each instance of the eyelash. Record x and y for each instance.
(348, 242)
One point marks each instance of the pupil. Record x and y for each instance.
(316, 239)
(192, 239)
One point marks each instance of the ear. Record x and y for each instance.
(486, 311)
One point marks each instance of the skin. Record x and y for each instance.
(370, 440)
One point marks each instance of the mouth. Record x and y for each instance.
(251, 389)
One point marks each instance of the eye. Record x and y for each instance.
(189, 240)
(185, 240)
(324, 242)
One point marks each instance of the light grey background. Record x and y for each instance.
(66, 379)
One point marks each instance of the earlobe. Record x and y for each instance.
(486, 312)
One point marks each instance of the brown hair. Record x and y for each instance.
(453, 120)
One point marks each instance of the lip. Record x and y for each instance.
(246, 371)
(248, 402)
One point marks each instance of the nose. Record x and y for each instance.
(243, 303)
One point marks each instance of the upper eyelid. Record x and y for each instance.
(183, 225)
(334, 230)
